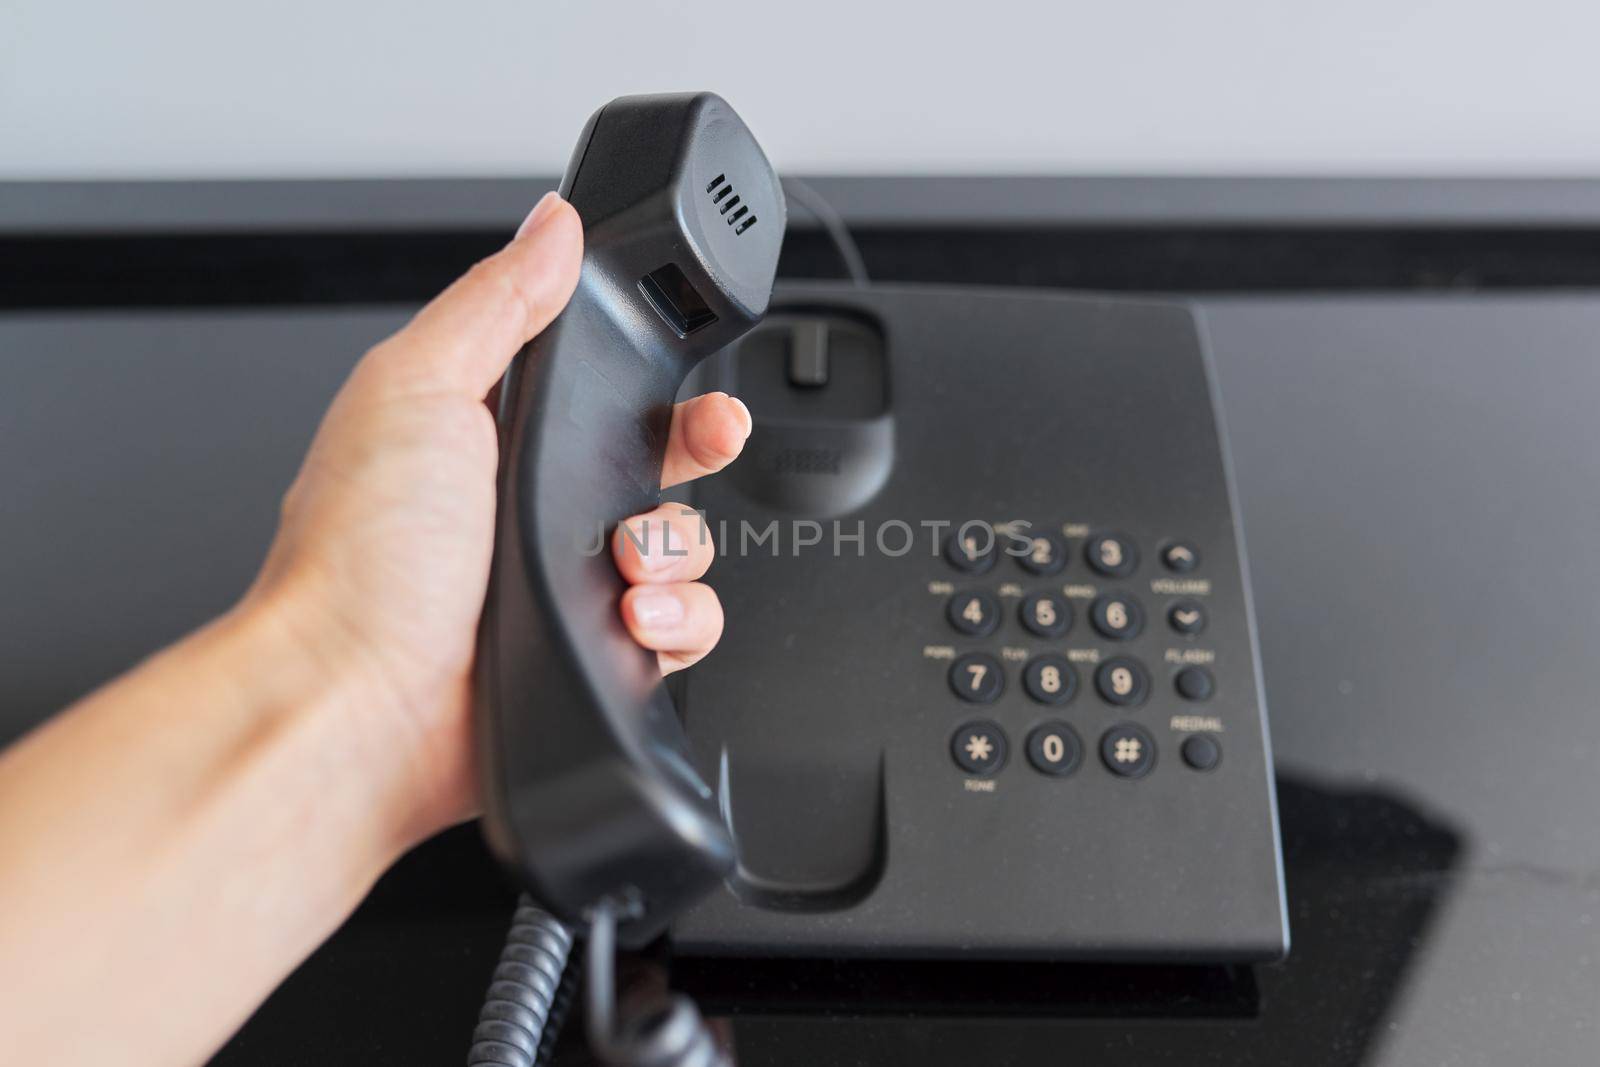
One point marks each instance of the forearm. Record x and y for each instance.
(177, 842)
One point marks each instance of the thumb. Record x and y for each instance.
(464, 338)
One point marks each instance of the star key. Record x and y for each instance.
(979, 748)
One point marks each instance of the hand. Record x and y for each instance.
(382, 558)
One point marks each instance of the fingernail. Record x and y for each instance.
(541, 211)
(652, 543)
(749, 421)
(657, 610)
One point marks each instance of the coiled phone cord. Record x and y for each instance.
(531, 989)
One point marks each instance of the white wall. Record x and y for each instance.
(362, 87)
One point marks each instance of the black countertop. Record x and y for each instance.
(1419, 469)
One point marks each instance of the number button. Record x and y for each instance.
(977, 677)
(1180, 557)
(1122, 681)
(1050, 679)
(976, 614)
(1187, 617)
(1112, 554)
(1128, 751)
(972, 548)
(1046, 555)
(1117, 617)
(1054, 749)
(979, 747)
(1046, 614)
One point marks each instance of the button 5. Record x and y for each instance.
(1046, 614)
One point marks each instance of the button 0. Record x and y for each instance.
(1122, 681)
(972, 548)
(1045, 614)
(1050, 679)
(1187, 617)
(1180, 557)
(977, 677)
(1194, 683)
(1054, 749)
(976, 614)
(1117, 616)
(1201, 752)
(1046, 555)
(1112, 554)
(1128, 751)
(979, 748)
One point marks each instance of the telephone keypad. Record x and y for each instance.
(1046, 555)
(1118, 617)
(979, 747)
(977, 677)
(1045, 614)
(1112, 554)
(1050, 679)
(1122, 681)
(1053, 748)
(974, 614)
(1128, 750)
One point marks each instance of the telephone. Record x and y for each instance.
(989, 686)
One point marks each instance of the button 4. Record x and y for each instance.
(977, 677)
(979, 747)
(976, 614)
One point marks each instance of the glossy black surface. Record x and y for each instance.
(1420, 484)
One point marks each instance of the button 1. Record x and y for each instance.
(976, 614)
(1112, 554)
(1187, 617)
(1054, 749)
(1194, 683)
(1122, 681)
(1050, 679)
(972, 547)
(1128, 750)
(1045, 614)
(1180, 557)
(1201, 751)
(979, 748)
(977, 677)
(1046, 554)
(1117, 616)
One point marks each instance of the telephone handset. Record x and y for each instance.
(589, 795)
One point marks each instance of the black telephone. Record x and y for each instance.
(1029, 725)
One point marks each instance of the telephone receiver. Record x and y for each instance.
(590, 797)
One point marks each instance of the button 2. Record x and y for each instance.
(1046, 555)
(1117, 617)
(1122, 681)
(1050, 679)
(1112, 554)
(1045, 614)
(972, 548)
(976, 614)
(979, 747)
(1128, 751)
(1054, 749)
(977, 677)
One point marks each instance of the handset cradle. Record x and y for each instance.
(589, 794)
